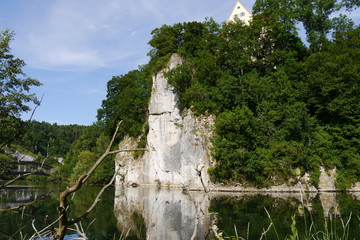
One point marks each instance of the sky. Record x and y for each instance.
(74, 47)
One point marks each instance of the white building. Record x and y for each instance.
(241, 13)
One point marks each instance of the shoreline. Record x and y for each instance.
(235, 189)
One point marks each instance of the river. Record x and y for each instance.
(151, 213)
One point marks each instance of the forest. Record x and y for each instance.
(283, 102)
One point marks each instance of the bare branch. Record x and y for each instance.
(198, 169)
(97, 199)
(197, 204)
(36, 231)
(106, 153)
(15, 179)
(265, 231)
(64, 223)
(37, 105)
(46, 228)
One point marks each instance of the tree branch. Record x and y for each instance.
(97, 199)
(14, 180)
(18, 132)
(197, 204)
(64, 223)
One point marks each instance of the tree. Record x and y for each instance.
(317, 16)
(14, 90)
(127, 100)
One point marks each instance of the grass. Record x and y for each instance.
(333, 228)
(330, 232)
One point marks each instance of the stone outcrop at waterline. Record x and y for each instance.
(179, 144)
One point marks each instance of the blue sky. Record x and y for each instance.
(75, 46)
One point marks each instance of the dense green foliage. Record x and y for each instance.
(77, 146)
(49, 139)
(83, 153)
(127, 100)
(14, 96)
(14, 91)
(281, 106)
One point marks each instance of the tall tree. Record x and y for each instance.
(127, 100)
(319, 17)
(14, 90)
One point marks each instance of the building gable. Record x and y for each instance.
(240, 12)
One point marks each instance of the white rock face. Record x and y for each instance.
(178, 145)
(355, 187)
(327, 180)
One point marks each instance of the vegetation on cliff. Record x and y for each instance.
(283, 104)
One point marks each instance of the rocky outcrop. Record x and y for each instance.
(355, 187)
(327, 180)
(178, 144)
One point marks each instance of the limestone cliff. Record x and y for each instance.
(178, 144)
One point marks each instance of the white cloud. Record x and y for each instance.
(83, 35)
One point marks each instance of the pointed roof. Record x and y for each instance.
(240, 12)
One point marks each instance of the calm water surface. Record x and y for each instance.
(149, 213)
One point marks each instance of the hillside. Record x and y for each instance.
(283, 106)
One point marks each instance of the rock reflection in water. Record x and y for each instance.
(159, 214)
(150, 213)
(329, 204)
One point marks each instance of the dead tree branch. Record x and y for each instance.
(45, 230)
(15, 179)
(197, 204)
(97, 199)
(64, 222)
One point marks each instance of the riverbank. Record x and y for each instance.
(283, 188)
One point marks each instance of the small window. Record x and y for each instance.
(242, 14)
(238, 7)
(236, 16)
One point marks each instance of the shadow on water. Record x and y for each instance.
(149, 213)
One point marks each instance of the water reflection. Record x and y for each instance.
(16, 196)
(170, 214)
(100, 224)
(159, 214)
(150, 213)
